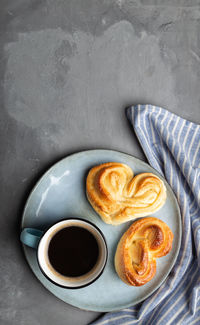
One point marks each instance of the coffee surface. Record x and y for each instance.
(73, 251)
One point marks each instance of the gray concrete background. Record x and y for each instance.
(68, 69)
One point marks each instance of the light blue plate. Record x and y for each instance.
(60, 193)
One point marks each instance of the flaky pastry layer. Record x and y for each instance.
(117, 196)
(144, 241)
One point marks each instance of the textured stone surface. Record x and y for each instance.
(67, 71)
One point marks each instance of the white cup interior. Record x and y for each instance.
(71, 282)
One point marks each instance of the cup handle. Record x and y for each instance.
(31, 237)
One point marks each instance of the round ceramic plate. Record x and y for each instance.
(59, 194)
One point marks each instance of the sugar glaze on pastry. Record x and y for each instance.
(144, 241)
(117, 196)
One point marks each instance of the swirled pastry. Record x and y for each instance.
(118, 197)
(145, 240)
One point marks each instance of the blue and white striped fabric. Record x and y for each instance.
(172, 146)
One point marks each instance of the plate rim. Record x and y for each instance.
(179, 223)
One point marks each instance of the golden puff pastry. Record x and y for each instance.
(145, 240)
(118, 197)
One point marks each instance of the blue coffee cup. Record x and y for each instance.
(40, 241)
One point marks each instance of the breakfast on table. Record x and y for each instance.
(73, 252)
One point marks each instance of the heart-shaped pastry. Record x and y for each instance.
(144, 241)
(117, 196)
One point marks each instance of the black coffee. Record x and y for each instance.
(73, 251)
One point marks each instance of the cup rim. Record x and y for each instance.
(106, 253)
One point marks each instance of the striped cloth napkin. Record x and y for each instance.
(172, 146)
